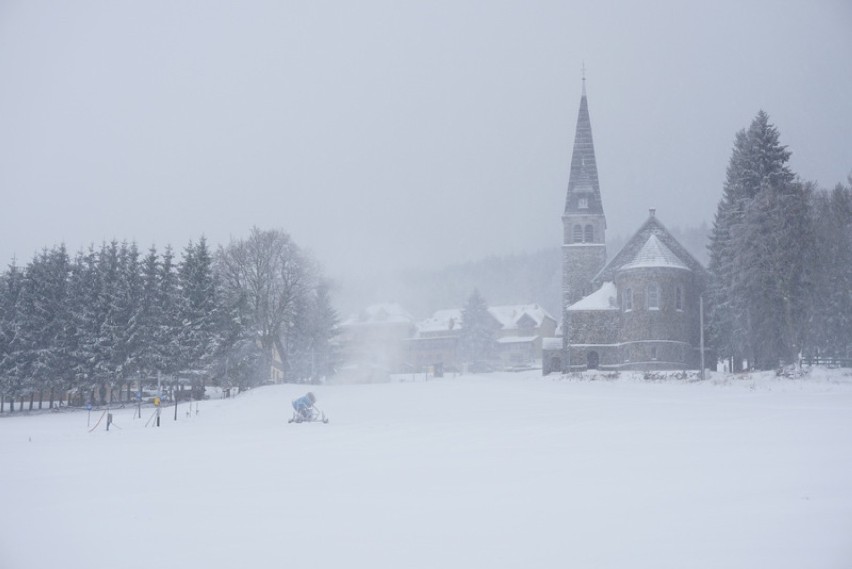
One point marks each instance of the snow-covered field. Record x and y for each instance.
(505, 470)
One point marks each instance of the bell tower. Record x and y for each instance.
(584, 223)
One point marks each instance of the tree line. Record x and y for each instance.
(780, 259)
(113, 315)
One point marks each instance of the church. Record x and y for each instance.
(641, 309)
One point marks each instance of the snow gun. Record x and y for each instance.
(304, 410)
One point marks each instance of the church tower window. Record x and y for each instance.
(627, 299)
(653, 296)
(578, 233)
(590, 234)
(583, 203)
(679, 298)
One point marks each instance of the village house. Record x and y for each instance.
(518, 332)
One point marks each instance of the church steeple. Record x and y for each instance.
(584, 223)
(583, 180)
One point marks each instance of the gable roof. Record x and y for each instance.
(664, 250)
(509, 316)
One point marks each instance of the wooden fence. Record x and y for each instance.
(826, 361)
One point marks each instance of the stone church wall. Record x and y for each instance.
(580, 264)
(594, 338)
(662, 337)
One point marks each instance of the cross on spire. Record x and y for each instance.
(584, 78)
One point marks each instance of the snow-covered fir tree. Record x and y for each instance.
(197, 308)
(11, 318)
(830, 322)
(308, 341)
(477, 335)
(759, 253)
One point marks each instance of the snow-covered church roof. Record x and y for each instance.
(605, 298)
(651, 246)
(654, 253)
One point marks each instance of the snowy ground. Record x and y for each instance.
(506, 470)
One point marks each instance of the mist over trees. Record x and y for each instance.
(110, 316)
(519, 278)
(779, 259)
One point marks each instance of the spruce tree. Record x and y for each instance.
(830, 324)
(477, 337)
(197, 306)
(168, 334)
(759, 252)
(83, 307)
(11, 346)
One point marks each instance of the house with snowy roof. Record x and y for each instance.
(518, 332)
(640, 310)
(435, 343)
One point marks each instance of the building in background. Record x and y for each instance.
(373, 342)
(518, 332)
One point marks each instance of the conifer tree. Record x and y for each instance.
(830, 324)
(324, 323)
(308, 341)
(56, 360)
(39, 343)
(148, 318)
(11, 347)
(477, 331)
(169, 327)
(197, 305)
(758, 252)
(83, 306)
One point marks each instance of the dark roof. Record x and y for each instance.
(583, 180)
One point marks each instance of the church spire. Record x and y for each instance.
(583, 223)
(584, 194)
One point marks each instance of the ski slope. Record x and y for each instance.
(497, 471)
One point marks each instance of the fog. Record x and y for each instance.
(396, 135)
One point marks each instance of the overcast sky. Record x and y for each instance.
(393, 133)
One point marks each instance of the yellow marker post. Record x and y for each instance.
(157, 405)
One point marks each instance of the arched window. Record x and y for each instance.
(653, 296)
(627, 299)
(578, 233)
(679, 298)
(590, 234)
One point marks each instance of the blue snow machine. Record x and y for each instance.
(304, 410)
